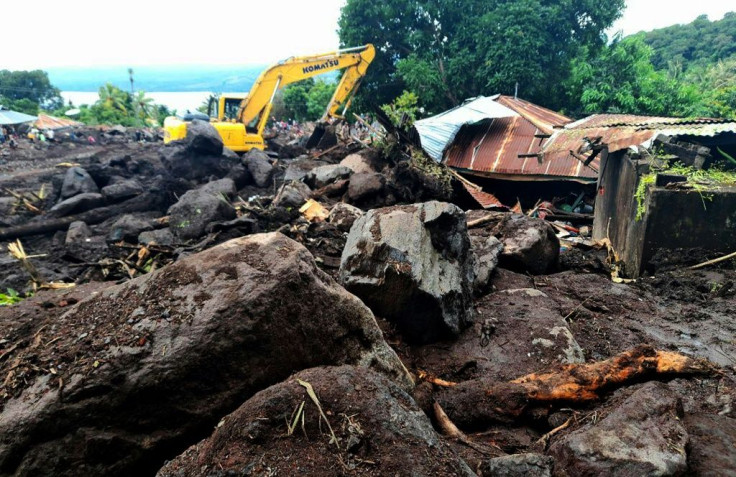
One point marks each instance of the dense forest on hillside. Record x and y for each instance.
(700, 43)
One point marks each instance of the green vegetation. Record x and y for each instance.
(700, 180)
(700, 43)
(28, 91)
(9, 298)
(446, 51)
(304, 101)
(116, 106)
(404, 109)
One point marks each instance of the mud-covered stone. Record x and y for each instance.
(77, 204)
(643, 436)
(156, 237)
(324, 175)
(519, 465)
(192, 341)
(128, 227)
(260, 167)
(372, 418)
(189, 217)
(712, 446)
(77, 181)
(343, 216)
(412, 265)
(365, 187)
(292, 194)
(78, 232)
(122, 190)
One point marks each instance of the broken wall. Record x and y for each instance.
(673, 218)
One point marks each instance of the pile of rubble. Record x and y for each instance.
(337, 312)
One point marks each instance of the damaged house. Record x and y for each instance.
(665, 194)
(496, 141)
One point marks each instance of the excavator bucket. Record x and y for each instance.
(323, 136)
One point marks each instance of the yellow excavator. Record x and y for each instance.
(240, 120)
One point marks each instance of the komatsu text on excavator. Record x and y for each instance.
(240, 120)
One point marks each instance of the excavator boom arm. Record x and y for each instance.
(354, 60)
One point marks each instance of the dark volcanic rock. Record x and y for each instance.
(643, 436)
(78, 232)
(529, 244)
(150, 366)
(122, 190)
(203, 138)
(292, 194)
(158, 237)
(77, 181)
(412, 265)
(260, 167)
(77, 204)
(128, 227)
(372, 418)
(188, 218)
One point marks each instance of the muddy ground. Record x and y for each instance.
(691, 312)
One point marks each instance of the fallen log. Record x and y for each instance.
(479, 402)
(142, 203)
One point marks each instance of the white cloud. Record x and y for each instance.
(646, 15)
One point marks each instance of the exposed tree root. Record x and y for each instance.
(478, 402)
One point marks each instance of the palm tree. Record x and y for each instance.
(114, 98)
(130, 75)
(143, 105)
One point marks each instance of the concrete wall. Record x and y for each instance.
(674, 219)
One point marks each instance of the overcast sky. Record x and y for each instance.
(47, 33)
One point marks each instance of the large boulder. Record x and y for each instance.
(260, 167)
(143, 369)
(529, 244)
(373, 420)
(203, 138)
(189, 217)
(486, 251)
(77, 181)
(325, 175)
(77, 204)
(412, 265)
(643, 436)
(358, 163)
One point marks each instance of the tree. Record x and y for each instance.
(143, 106)
(447, 51)
(620, 78)
(29, 85)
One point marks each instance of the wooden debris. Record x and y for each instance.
(474, 402)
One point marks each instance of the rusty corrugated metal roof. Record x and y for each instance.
(493, 148)
(484, 199)
(45, 121)
(620, 131)
(544, 119)
(634, 120)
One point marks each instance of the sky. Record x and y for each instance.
(161, 32)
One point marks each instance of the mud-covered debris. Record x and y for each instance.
(176, 349)
(378, 429)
